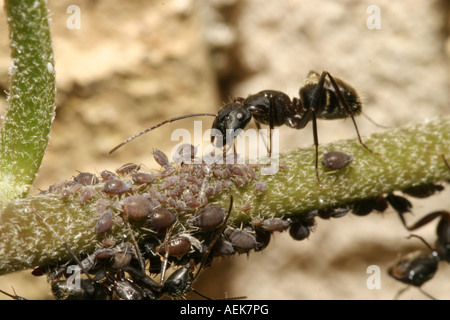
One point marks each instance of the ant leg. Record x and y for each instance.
(316, 144)
(426, 294)
(13, 296)
(400, 292)
(445, 161)
(213, 242)
(421, 239)
(166, 255)
(258, 126)
(347, 108)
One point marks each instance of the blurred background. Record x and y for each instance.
(130, 64)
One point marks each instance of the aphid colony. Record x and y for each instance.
(179, 228)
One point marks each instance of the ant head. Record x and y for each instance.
(230, 118)
(415, 268)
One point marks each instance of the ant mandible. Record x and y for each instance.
(321, 96)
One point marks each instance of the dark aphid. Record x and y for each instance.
(128, 168)
(275, 224)
(105, 222)
(177, 247)
(115, 186)
(423, 190)
(136, 207)
(86, 194)
(400, 204)
(300, 229)
(262, 239)
(336, 160)
(161, 219)
(336, 212)
(222, 248)
(208, 218)
(143, 178)
(85, 291)
(443, 234)
(381, 204)
(108, 175)
(242, 240)
(415, 269)
(363, 207)
(86, 179)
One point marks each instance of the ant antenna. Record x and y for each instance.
(159, 125)
(422, 239)
(373, 121)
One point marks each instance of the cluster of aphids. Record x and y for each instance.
(179, 227)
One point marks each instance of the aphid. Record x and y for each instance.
(300, 229)
(86, 179)
(180, 282)
(86, 194)
(336, 160)
(260, 186)
(400, 204)
(208, 218)
(242, 240)
(105, 222)
(13, 296)
(161, 219)
(423, 190)
(177, 247)
(128, 168)
(336, 212)
(115, 186)
(275, 224)
(143, 178)
(136, 207)
(108, 175)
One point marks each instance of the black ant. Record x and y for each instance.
(418, 267)
(320, 98)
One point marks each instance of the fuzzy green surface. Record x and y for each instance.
(30, 105)
(409, 156)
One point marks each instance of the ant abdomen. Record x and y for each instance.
(330, 105)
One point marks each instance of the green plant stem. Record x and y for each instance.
(30, 105)
(409, 156)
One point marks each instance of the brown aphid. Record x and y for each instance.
(105, 222)
(336, 160)
(185, 153)
(87, 194)
(161, 219)
(161, 158)
(222, 247)
(128, 168)
(208, 218)
(276, 224)
(136, 207)
(108, 175)
(176, 247)
(242, 240)
(86, 179)
(115, 186)
(143, 178)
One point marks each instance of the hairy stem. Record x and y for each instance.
(409, 156)
(30, 105)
